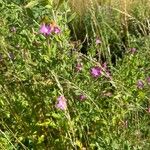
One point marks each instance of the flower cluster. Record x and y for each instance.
(47, 29)
(61, 103)
(97, 71)
(82, 97)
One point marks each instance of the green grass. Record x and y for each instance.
(36, 69)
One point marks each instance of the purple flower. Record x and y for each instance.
(82, 97)
(98, 41)
(61, 103)
(148, 80)
(133, 50)
(57, 30)
(96, 71)
(79, 67)
(140, 84)
(45, 29)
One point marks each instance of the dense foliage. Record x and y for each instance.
(74, 79)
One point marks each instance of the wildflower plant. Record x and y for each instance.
(61, 103)
(96, 94)
(96, 71)
(45, 29)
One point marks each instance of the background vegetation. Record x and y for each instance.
(84, 87)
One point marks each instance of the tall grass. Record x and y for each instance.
(118, 17)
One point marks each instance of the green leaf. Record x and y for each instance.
(59, 3)
(40, 139)
(32, 4)
(72, 17)
(47, 123)
(57, 116)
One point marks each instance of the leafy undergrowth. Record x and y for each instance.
(54, 97)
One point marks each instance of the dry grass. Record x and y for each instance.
(81, 6)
